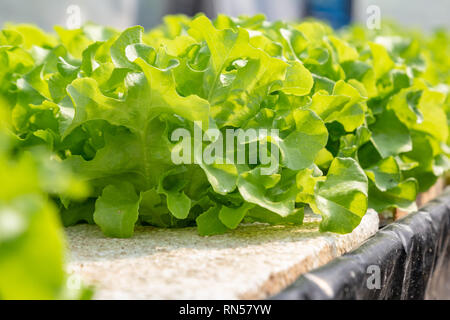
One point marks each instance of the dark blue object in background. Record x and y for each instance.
(338, 13)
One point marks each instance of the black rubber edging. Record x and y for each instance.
(412, 256)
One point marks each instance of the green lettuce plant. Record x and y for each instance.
(361, 119)
(32, 242)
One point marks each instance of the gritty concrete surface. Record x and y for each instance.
(252, 262)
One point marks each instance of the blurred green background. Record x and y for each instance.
(148, 13)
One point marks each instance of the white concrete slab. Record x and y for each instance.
(252, 262)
